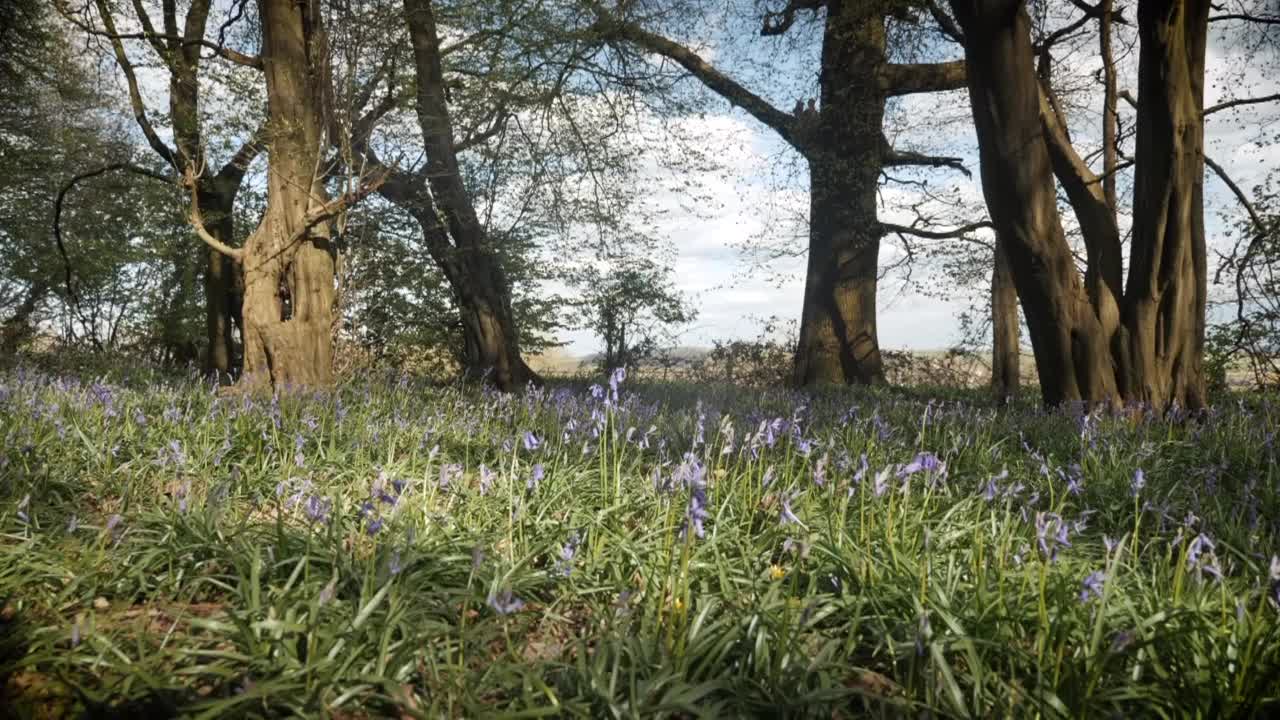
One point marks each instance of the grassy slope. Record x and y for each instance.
(386, 549)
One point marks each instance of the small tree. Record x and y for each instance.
(633, 309)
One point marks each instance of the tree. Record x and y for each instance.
(177, 46)
(841, 137)
(631, 307)
(1094, 340)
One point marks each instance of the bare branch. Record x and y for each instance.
(777, 23)
(895, 158)
(964, 232)
(945, 22)
(58, 202)
(1242, 101)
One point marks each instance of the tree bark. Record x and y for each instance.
(1071, 353)
(843, 143)
(1164, 311)
(491, 339)
(842, 138)
(1006, 355)
(288, 260)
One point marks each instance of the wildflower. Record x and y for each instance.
(394, 566)
(1139, 481)
(374, 526)
(298, 443)
(1092, 586)
(531, 441)
(615, 379)
(448, 473)
(923, 462)
(882, 482)
(317, 508)
(505, 603)
(535, 477)
(1109, 544)
(567, 553)
(486, 479)
(768, 477)
(820, 472)
(696, 512)
(22, 508)
(776, 572)
(787, 515)
(862, 469)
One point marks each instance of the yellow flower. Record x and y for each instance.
(776, 572)
(678, 604)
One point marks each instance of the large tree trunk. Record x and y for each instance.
(1164, 312)
(288, 260)
(222, 297)
(843, 142)
(838, 341)
(1006, 355)
(491, 339)
(1072, 355)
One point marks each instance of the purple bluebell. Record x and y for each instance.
(696, 512)
(923, 462)
(535, 476)
(504, 602)
(318, 508)
(531, 441)
(486, 479)
(881, 482)
(570, 549)
(787, 516)
(1138, 482)
(1092, 586)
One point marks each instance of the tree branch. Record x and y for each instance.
(909, 78)
(896, 158)
(609, 26)
(962, 232)
(1242, 101)
(191, 180)
(58, 202)
(777, 23)
(131, 78)
(945, 22)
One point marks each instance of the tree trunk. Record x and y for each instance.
(288, 260)
(220, 288)
(843, 142)
(1164, 312)
(1072, 356)
(1006, 355)
(18, 329)
(838, 341)
(491, 339)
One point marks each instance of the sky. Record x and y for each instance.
(713, 271)
(754, 186)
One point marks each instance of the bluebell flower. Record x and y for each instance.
(696, 512)
(1092, 586)
(374, 526)
(318, 508)
(531, 441)
(504, 602)
(923, 462)
(787, 516)
(394, 566)
(570, 549)
(615, 379)
(881, 482)
(535, 476)
(486, 479)
(1139, 481)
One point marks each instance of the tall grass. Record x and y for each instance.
(393, 548)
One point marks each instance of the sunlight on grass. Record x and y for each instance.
(393, 548)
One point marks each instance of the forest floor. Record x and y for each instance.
(393, 548)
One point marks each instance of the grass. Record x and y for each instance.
(397, 549)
